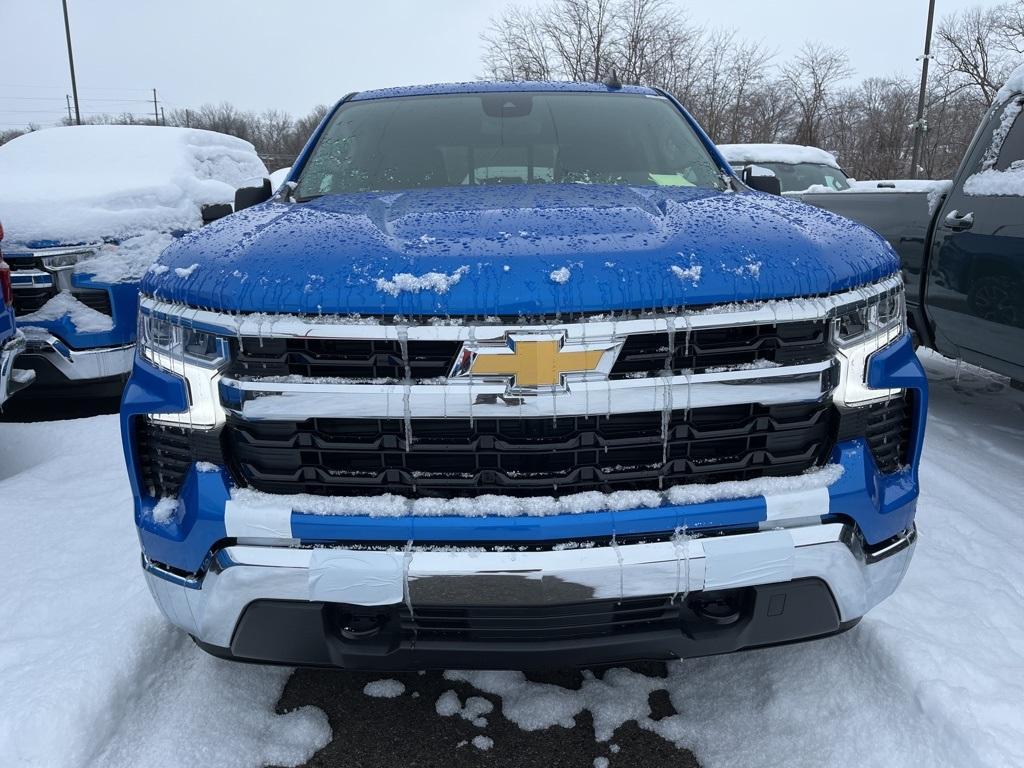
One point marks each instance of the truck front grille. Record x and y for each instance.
(886, 426)
(643, 354)
(530, 456)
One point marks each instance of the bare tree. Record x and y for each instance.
(517, 48)
(811, 78)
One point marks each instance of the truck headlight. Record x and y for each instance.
(857, 333)
(163, 338)
(195, 355)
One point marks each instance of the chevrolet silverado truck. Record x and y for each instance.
(12, 342)
(515, 375)
(961, 245)
(88, 209)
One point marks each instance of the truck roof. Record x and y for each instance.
(499, 87)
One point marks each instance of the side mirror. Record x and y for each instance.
(215, 211)
(246, 197)
(761, 179)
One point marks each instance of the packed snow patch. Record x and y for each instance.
(743, 154)
(390, 505)
(448, 705)
(185, 272)
(165, 509)
(127, 261)
(384, 689)
(560, 275)
(483, 743)
(690, 274)
(1013, 86)
(111, 683)
(83, 317)
(935, 190)
(405, 282)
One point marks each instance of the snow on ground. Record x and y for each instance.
(931, 677)
(90, 674)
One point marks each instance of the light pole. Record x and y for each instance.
(920, 125)
(71, 61)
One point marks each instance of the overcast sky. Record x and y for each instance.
(292, 55)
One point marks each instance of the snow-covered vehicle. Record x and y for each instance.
(87, 210)
(521, 374)
(797, 167)
(961, 242)
(12, 342)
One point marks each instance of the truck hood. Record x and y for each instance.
(517, 249)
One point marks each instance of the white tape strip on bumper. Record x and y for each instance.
(246, 521)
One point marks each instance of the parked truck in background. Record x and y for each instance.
(12, 342)
(961, 245)
(88, 209)
(521, 375)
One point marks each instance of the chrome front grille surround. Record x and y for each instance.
(543, 409)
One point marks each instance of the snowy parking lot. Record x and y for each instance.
(92, 675)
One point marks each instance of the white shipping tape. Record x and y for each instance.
(797, 504)
(742, 561)
(244, 521)
(357, 578)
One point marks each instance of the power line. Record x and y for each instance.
(60, 98)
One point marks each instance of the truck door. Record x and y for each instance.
(975, 287)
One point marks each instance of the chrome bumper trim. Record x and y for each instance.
(593, 330)
(210, 606)
(9, 383)
(767, 386)
(79, 364)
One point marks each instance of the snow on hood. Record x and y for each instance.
(615, 246)
(742, 154)
(91, 183)
(1014, 85)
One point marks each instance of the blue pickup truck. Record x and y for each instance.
(88, 209)
(517, 375)
(12, 342)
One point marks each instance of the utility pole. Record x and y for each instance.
(921, 125)
(156, 115)
(68, 99)
(163, 117)
(71, 62)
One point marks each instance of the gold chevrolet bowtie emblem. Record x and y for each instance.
(532, 363)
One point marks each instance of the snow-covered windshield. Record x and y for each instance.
(506, 138)
(797, 177)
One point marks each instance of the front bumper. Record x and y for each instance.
(281, 604)
(12, 380)
(76, 365)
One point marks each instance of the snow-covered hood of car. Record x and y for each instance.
(506, 250)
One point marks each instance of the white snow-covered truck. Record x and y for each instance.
(87, 211)
(797, 167)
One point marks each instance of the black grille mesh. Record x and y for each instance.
(647, 353)
(165, 454)
(535, 456)
(886, 426)
(541, 623)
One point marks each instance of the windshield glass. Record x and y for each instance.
(418, 142)
(796, 177)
